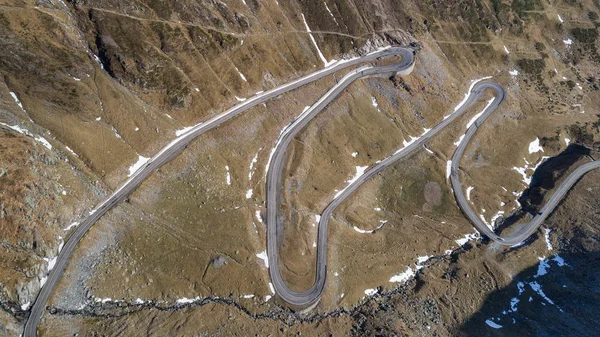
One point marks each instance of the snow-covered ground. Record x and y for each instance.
(321, 56)
(263, 256)
(139, 163)
(535, 147)
(360, 170)
(26, 132)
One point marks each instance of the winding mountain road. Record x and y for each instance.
(275, 169)
(165, 155)
(313, 294)
(526, 229)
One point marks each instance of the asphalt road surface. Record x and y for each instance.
(163, 156)
(275, 169)
(524, 230)
(313, 294)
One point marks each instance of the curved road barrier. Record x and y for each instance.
(165, 155)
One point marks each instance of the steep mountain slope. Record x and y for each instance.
(90, 88)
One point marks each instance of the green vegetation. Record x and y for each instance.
(533, 68)
(522, 7)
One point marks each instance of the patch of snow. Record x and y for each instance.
(116, 133)
(26, 132)
(25, 306)
(249, 194)
(97, 59)
(137, 129)
(263, 256)
(254, 160)
(267, 298)
(559, 18)
(404, 276)
(370, 292)
(51, 263)
(240, 73)
(495, 217)
(334, 20)
(140, 162)
(258, 216)
(468, 237)
(538, 289)
(514, 72)
(360, 170)
(184, 300)
(16, 99)
(271, 288)
(72, 152)
(421, 260)
(491, 324)
(354, 154)
(567, 141)
(506, 50)
(523, 172)
(448, 168)
(535, 146)
(559, 260)
(543, 267)
(323, 59)
(74, 224)
(568, 41)
(44, 142)
(182, 131)
(457, 143)
(469, 189)
(227, 176)
(239, 99)
(76, 79)
(377, 209)
(547, 237)
(248, 296)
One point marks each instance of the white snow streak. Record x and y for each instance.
(323, 59)
(241, 75)
(469, 189)
(492, 324)
(263, 256)
(360, 170)
(141, 161)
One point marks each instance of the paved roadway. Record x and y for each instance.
(313, 294)
(163, 156)
(524, 230)
(275, 171)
